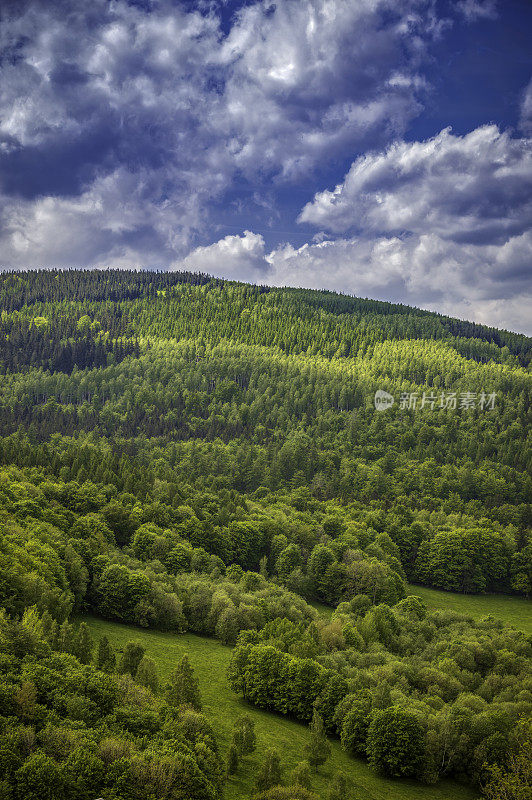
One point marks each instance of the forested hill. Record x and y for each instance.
(343, 324)
(187, 453)
(174, 384)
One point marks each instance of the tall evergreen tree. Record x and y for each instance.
(318, 748)
(183, 686)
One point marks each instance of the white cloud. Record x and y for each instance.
(292, 85)
(525, 121)
(478, 9)
(240, 258)
(444, 224)
(472, 188)
(109, 224)
(488, 284)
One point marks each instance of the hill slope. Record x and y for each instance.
(188, 454)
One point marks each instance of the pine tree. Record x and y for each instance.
(318, 748)
(183, 686)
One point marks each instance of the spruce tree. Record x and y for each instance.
(83, 644)
(318, 748)
(183, 686)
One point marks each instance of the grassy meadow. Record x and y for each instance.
(515, 611)
(210, 659)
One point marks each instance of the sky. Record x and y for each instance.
(379, 148)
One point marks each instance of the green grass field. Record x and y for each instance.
(210, 659)
(515, 611)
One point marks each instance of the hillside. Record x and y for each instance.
(182, 453)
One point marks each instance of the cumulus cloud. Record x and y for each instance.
(526, 110)
(472, 188)
(443, 224)
(89, 92)
(240, 258)
(485, 283)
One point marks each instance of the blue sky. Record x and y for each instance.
(376, 147)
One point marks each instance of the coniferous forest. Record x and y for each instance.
(194, 456)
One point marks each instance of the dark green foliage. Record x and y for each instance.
(354, 725)
(232, 760)
(105, 658)
(185, 453)
(395, 742)
(76, 733)
(318, 749)
(183, 686)
(131, 658)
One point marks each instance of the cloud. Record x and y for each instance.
(444, 224)
(179, 107)
(488, 284)
(470, 189)
(477, 9)
(525, 121)
(108, 225)
(240, 258)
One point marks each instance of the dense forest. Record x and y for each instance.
(189, 454)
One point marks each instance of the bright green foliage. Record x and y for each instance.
(187, 454)
(244, 737)
(395, 742)
(83, 644)
(513, 781)
(301, 775)
(77, 733)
